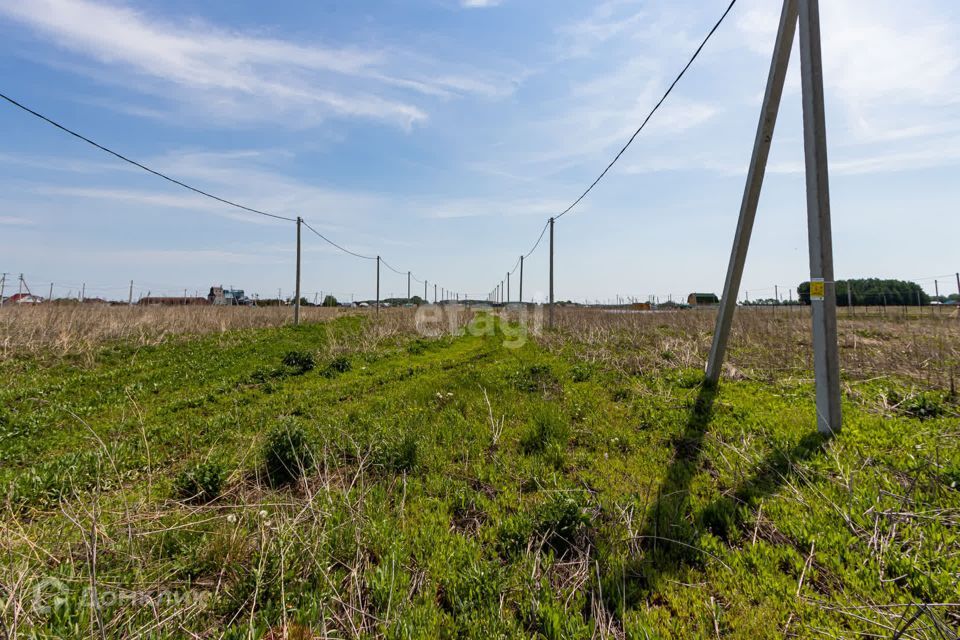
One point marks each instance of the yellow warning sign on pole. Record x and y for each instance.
(816, 289)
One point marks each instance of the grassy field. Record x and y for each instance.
(393, 478)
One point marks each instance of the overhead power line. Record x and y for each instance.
(179, 183)
(332, 243)
(633, 137)
(140, 165)
(537, 243)
(652, 111)
(231, 203)
(387, 265)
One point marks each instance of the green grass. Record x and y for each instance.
(639, 506)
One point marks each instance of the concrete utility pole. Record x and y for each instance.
(296, 304)
(19, 287)
(826, 353)
(3, 282)
(751, 192)
(129, 295)
(434, 294)
(425, 300)
(508, 287)
(83, 290)
(408, 285)
(550, 314)
(50, 297)
(521, 279)
(958, 286)
(378, 285)
(822, 286)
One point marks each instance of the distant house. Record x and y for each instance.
(695, 299)
(221, 296)
(23, 298)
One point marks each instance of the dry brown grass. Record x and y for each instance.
(80, 329)
(64, 329)
(767, 343)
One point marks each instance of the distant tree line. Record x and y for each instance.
(872, 292)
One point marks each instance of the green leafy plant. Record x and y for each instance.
(535, 377)
(402, 454)
(340, 364)
(581, 372)
(922, 406)
(299, 361)
(200, 482)
(286, 453)
(561, 518)
(547, 427)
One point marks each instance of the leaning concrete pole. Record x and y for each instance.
(826, 357)
(751, 192)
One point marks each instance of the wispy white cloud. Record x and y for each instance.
(853, 161)
(479, 207)
(892, 66)
(479, 4)
(246, 77)
(16, 221)
(607, 20)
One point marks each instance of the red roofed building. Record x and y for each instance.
(23, 298)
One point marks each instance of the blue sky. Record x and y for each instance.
(442, 134)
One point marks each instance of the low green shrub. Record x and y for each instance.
(535, 377)
(300, 361)
(922, 406)
(561, 518)
(287, 454)
(340, 364)
(547, 427)
(200, 482)
(720, 518)
(402, 454)
(581, 372)
(557, 522)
